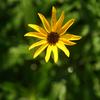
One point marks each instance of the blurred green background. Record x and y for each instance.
(25, 78)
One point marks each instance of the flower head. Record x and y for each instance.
(52, 36)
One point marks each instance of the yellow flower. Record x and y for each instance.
(52, 36)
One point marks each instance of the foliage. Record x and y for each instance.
(24, 78)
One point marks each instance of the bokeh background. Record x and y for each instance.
(25, 78)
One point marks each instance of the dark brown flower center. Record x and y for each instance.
(53, 38)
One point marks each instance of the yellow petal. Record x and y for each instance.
(37, 44)
(71, 37)
(61, 46)
(53, 19)
(66, 26)
(48, 53)
(35, 34)
(67, 42)
(55, 53)
(39, 50)
(59, 23)
(38, 28)
(45, 23)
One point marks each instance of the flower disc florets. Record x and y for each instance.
(53, 38)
